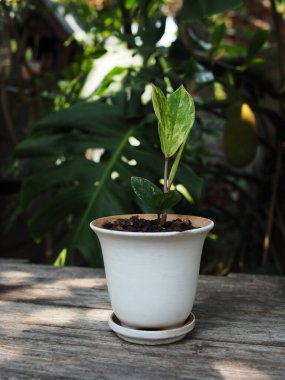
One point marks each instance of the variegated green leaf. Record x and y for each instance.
(181, 114)
(175, 116)
(159, 104)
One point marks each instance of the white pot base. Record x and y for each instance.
(151, 337)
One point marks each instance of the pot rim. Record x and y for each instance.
(203, 225)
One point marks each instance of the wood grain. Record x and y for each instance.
(53, 326)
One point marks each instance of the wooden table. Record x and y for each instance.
(53, 326)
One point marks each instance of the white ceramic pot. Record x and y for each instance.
(152, 277)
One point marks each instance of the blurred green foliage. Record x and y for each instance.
(103, 130)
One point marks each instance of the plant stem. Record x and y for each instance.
(165, 188)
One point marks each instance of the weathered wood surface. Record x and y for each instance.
(53, 326)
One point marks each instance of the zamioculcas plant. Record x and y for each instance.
(152, 267)
(175, 115)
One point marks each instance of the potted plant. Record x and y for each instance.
(152, 261)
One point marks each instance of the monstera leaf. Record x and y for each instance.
(80, 189)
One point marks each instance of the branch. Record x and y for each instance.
(7, 117)
(267, 237)
(276, 20)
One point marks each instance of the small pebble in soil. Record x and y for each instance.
(136, 224)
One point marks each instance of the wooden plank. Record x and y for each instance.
(53, 325)
(67, 286)
(14, 270)
(81, 336)
(69, 354)
(250, 310)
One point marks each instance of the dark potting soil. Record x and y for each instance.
(136, 224)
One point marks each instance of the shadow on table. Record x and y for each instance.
(53, 325)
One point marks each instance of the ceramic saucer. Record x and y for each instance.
(151, 337)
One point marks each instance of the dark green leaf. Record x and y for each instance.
(90, 211)
(153, 31)
(194, 184)
(197, 73)
(90, 248)
(164, 201)
(198, 42)
(257, 41)
(218, 34)
(197, 10)
(145, 191)
(55, 211)
(62, 144)
(79, 169)
(92, 115)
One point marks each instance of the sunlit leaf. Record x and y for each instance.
(159, 104)
(175, 116)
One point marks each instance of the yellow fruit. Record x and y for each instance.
(240, 134)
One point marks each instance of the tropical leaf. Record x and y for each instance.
(79, 169)
(196, 10)
(256, 42)
(61, 144)
(153, 196)
(65, 203)
(84, 116)
(145, 190)
(89, 213)
(176, 116)
(153, 31)
(193, 182)
(165, 201)
(218, 34)
(68, 190)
